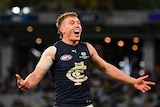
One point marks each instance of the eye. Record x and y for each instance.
(72, 22)
(79, 22)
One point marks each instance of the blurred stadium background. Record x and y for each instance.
(125, 33)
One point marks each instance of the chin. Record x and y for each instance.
(77, 38)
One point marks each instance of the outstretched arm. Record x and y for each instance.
(116, 74)
(31, 80)
(42, 67)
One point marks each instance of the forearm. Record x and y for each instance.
(116, 74)
(32, 80)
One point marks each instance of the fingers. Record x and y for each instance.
(150, 83)
(18, 77)
(21, 83)
(144, 85)
(144, 77)
(146, 88)
(24, 87)
(19, 80)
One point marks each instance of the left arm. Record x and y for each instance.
(115, 73)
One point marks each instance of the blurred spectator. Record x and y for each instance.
(18, 103)
(79, 5)
(104, 5)
(4, 5)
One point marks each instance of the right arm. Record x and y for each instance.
(116, 74)
(41, 69)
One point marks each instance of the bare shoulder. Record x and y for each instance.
(91, 49)
(50, 50)
(89, 45)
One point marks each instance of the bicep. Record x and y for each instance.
(99, 63)
(96, 60)
(46, 59)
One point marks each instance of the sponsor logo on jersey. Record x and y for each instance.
(74, 51)
(66, 57)
(83, 55)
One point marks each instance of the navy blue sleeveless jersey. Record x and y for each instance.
(71, 75)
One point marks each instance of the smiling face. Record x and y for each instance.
(71, 29)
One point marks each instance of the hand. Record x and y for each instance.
(22, 84)
(143, 85)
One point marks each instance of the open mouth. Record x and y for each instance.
(77, 31)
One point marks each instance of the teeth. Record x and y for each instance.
(76, 31)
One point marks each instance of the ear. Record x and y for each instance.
(61, 30)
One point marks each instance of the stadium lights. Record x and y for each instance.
(26, 10)
(17, 10)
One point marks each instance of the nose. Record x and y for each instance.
(78, 25)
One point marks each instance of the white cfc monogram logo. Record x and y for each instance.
(76, 74)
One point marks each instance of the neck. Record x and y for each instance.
(73, 43)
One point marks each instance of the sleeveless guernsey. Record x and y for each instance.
(71, 75)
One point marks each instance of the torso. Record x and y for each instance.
(71, 74)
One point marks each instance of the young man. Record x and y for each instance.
(68, 61)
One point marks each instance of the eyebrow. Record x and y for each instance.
(74, 21)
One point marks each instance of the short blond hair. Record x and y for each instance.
(60, 19)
